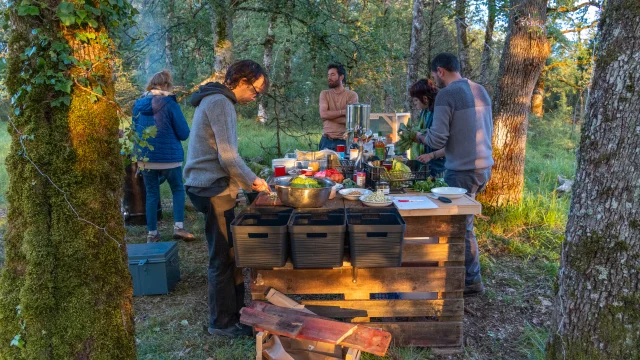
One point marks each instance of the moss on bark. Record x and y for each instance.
(69, 278)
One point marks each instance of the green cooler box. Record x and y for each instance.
(154, 267)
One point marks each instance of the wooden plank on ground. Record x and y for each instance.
(386, 308)
(423, 226)
(416, 252)
(330, 331)
(426, 333)
(375, 280)
(272, 323)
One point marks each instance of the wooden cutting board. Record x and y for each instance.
(263, 199)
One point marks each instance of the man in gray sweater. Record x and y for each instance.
(463, 126)
(214, 171)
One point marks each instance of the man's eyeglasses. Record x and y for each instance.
(258, 93)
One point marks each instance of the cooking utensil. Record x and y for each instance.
(303, 197)
(407, 200)
(445, 200)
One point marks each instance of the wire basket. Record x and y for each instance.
(397, 176)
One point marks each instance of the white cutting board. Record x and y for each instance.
(426, 203)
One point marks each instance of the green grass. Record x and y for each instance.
(535, 228)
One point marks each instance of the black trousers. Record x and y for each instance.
(225, 281)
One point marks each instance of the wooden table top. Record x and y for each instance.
(462, 206)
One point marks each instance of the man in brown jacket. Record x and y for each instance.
(333, 108)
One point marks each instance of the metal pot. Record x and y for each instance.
(300, 197)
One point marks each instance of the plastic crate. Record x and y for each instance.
(317, 238)
(154, 267)
(260, 237)
(376, 236)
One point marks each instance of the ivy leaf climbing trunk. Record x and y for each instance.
(598, 302)
(525, 52)
(65, 291)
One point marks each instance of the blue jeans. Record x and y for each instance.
(225, 281)
(326, 143)
(152, 185)
(474, 181)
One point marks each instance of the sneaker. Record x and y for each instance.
(153, 238)
(233, 331)
(182, 234)
(472, 290)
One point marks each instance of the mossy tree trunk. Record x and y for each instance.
(598, 302)
(68, 278)
(525, 52)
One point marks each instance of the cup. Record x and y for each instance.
(279, 170)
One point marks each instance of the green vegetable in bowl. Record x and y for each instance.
(427, 185)
(349, 184)
(305, 182)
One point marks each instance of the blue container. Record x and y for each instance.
(154, 267)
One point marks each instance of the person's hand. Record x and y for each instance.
(417, 138)
(260, 185)
(425, 158)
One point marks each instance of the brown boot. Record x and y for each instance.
(476, 289)
(182, 234)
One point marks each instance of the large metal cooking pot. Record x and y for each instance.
(301, 197)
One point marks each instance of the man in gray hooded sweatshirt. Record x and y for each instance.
(214, 171)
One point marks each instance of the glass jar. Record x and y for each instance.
(383, 186)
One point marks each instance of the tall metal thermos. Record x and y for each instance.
(357, 119)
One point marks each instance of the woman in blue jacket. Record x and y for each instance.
(163, 156)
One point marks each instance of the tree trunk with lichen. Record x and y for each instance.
(269, 40)
(413, 60)
(525, 52)
(537, 98)
(487, 47)
(597, 312)
(222, 14)
(462, 39)
(69, 279)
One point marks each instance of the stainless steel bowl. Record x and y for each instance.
(300, 197)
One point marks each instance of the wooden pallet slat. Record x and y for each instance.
(426, 334)
(413, 251)
(386, 308)
(446, 226)
(374, 280)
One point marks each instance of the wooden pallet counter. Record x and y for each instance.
(430, 309)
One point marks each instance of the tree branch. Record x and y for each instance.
(567, 9)
(578, 29)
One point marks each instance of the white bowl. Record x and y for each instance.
(450, 192)
(345, 193)
(377, 204)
